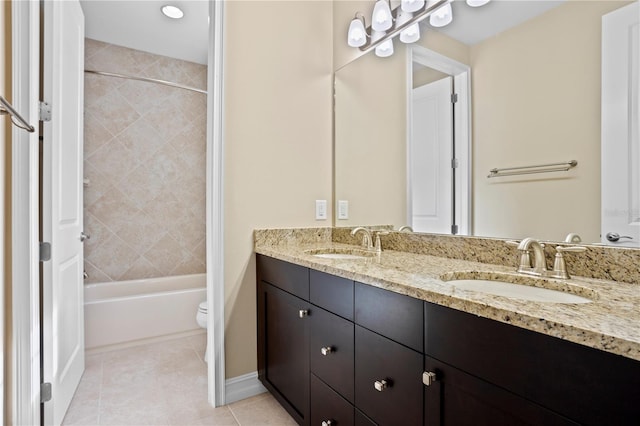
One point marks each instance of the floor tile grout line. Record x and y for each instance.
(233, 415)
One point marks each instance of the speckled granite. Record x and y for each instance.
(607, 263)
(611, 322)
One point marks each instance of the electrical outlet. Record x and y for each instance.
(343, 209)
(321, 209)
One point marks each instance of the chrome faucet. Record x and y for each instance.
(539, 261)
(406, 228)
(366, 237)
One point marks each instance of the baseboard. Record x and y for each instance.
(241, 387)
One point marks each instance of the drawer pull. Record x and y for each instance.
(303, 313)
(328, 423)
(380, 385)
(327, 350)
(428, 378)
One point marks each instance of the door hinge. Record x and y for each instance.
(45, 392)
(44, 110)
(45, 251)
(454, 98)
(454, 163)
(454, 229)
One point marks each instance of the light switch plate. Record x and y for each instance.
(343, 209)
(321, 209)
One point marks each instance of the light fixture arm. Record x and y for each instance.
(393, 31)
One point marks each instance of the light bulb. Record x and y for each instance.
(381, 18)
(477, 3)
(411, 5)
(411, 34)
(385, 49)
(173, 12)
(357, 34)
(441, 17)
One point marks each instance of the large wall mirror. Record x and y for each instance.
(534, 98)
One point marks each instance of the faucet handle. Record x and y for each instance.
(560, 265)
(378, 245)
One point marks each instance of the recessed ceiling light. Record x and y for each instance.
(173, 12)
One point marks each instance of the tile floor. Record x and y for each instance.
(161, 384)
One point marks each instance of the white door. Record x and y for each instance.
(430, 156)
(620, 118)
(62, 223)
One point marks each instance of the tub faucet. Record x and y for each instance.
(366, 237)
(539, 261)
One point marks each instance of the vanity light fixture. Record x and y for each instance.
(477, 3)
(173, 12)
(441, 17)
(406, 16)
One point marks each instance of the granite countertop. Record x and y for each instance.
(611, 322)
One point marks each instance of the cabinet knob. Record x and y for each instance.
(326, 350)
(328, 423)
(380, 385)
(428, 378)
(303, 313)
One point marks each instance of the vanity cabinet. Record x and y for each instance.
(338, 352)
(283, 334)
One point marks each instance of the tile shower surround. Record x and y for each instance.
(144, 158)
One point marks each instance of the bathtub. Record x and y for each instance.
(128, 312)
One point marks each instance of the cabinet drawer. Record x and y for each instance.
(392, 315)
(286, 276)
(584, 384)
(331, 350)
(327, 405)
(332, 293)
(377, 359)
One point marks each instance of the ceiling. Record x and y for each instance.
(471, 25)
(141, 25)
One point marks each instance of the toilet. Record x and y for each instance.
(201, 319)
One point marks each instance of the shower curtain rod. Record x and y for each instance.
(148, 80)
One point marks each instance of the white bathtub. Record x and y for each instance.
(125, 312)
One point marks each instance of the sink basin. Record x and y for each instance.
(341, 253)
(526, 288)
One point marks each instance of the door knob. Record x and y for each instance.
(85, 275)
(84, 237)
(614, 236)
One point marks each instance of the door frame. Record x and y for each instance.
(25, 275)
(24, 347)
(461, 74)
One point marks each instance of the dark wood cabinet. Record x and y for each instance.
(328, 408)
(334, 351)
(283, 354)
(388, 380)
(456, 398)
(331, 351)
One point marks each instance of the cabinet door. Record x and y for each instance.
(459, 399)
(283, 349)
(397, 401)
(327, 407)
(331, 351)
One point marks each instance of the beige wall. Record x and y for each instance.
(277, 90)
(536, 100)
(144, 156)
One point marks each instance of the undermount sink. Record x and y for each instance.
(526, 288)
(341, 253)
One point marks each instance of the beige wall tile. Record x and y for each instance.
(145, 159)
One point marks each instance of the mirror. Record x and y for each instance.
(534, 99)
